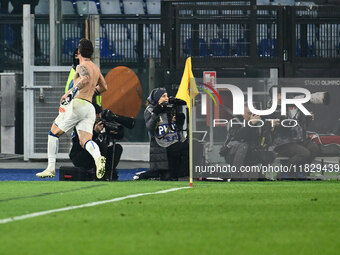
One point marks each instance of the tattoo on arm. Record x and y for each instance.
(84, 76)
(82, 70)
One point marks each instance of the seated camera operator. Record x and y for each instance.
(245, 146)
(169, 149)
(292, 142)
(104, 133)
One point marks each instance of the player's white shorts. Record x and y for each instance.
(78, 113)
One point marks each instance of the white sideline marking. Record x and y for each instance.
(37, 214)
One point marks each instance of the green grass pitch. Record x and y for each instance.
(211, 218)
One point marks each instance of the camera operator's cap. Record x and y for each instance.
(155, 95)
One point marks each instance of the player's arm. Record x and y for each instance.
(76, 76)
(101, 86)
(80, 79)
(84, 77)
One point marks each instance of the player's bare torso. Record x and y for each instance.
(94, 76)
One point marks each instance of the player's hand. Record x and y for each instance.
(63, 99)
(98, 127)
(66, 99)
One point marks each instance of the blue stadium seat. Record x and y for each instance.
(133, 7)
(262, 2)
(106, 51)
(68, 7)
(69, 45)
(267, 48)
(220, 47)
(310, 49)
(202, 52)
(8, 34)
(305, 3)
(153, 6)
(6, 11)
(151, 48)
(84, 7)
(283, 2)
(241, 47)
(43, 7)
(110, 7)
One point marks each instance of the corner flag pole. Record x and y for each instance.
(187, 91)
(190, 139)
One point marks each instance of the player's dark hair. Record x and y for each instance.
(85, 48)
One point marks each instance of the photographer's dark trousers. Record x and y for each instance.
(84, 160)
(168, 163)
(178, 158)
(241, 155)
(298, 154)
(237, 155)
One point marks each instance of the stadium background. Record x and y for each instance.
(236, 39)
(152, 37)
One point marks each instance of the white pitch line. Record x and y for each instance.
(37, 214)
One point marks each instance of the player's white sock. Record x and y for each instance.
(93, 149)
(52, 150)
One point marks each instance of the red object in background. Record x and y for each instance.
(209, 78)
(325, 139)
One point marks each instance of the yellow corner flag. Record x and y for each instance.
(187, 83)
(187, 90)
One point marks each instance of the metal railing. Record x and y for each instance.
(222, 35)
(129, 40)
(317, 33)
(218, 33)
(124, 39)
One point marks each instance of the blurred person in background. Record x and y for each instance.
(292, 142)
(246, 145)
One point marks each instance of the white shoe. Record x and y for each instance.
(137, 175)
(46, 173)
(100, 165)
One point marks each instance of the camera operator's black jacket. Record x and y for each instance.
(284, 135)
(250, 135)
(256, 138)
(158, 145)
